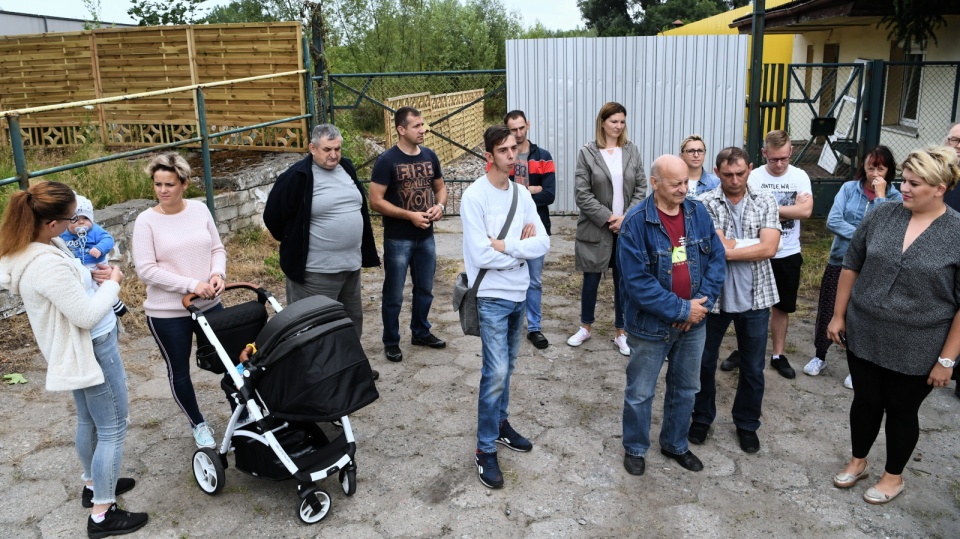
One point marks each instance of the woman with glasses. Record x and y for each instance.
(609, 181)
(76, 330)
(693, 151)
(177, 251)
(898, 314)
(871, 186)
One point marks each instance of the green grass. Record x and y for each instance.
(104, 184)
(815, 240)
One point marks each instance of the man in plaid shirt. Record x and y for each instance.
(747, 222)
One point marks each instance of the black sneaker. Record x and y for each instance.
(117, 522)
(124, 484)
(393, 353)
(698, 433)
(489, 469)
(538, 340)
(732, 361)
(430, 340)
(513, 439)
(783, 367)
(687, 460)
(749, 441)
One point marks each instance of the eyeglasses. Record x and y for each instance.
(953, 141)
(73, 219)
(778, 160)
(694, 151)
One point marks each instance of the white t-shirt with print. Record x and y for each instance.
(785, 189)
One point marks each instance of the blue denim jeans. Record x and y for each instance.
(421, 257)
(174, 337)
(102, 419)
(535, 293)
(751, 327)
(499, 318)
(682, 383)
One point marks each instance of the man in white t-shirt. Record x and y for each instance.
(791, 188)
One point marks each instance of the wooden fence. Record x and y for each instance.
(465, 127)
(47, 69)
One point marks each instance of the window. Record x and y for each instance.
(901, 109)
(910, 91)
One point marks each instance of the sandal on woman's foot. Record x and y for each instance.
(875, 497)
(846, 480)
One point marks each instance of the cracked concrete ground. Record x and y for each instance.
(415, 448)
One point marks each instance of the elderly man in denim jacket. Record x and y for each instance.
(672, 269)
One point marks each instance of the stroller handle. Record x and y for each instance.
(262, 294)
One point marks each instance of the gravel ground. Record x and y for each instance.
(415, 444)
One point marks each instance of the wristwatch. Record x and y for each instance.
(947, 362)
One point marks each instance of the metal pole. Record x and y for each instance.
(873, 105)
(19, 158)
(308, 82)
(205, 150)
(756, 73)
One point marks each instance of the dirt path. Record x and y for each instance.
(416, 473)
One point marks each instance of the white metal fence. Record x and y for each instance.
(671, 86)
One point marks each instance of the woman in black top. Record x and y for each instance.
(899, 263)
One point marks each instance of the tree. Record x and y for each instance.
(94, 8)
(162, 12)
(914, 22)
(539, 31)
(240, 11)
(660, 17)
(609, 17)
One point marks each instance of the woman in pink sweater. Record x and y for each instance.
(177, 251)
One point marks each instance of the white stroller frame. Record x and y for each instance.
(209, 465)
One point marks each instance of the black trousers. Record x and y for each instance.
(878, 391)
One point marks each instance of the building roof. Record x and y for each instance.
(801, 16)
(13, 24)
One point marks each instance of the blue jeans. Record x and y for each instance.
(102, 418)
(174, 337)
(751, 327)
(499, 318)
(682, 383)
(534, 293)
(421, 257)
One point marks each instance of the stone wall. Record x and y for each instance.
(239, 206)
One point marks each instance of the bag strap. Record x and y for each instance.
(503, 231)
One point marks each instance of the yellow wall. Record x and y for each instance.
(777, 49)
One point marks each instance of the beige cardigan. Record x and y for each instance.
(60, 312)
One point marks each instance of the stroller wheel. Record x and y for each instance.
(348, 480)
(314, 506)
(208, 471)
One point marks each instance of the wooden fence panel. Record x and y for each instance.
(49, 69)
(466, 127)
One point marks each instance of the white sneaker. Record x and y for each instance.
(582, 334)
(848, 382)
(621, 342)
(815, 366)
(203, 435)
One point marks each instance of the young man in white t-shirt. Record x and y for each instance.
(791, 187)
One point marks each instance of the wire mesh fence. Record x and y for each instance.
(457, 106)
(920, 103)
(818, 92)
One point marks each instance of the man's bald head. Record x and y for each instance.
(668, 175)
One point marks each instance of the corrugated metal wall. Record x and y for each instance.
(671, 86)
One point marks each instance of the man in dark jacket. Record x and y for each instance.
(536, 171)
(317, 210)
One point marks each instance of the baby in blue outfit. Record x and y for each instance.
(90, 242)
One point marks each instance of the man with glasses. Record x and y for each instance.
(792, 190)
(952, 199)
(693, 151)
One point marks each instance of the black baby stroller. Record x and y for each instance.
(308, 367)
